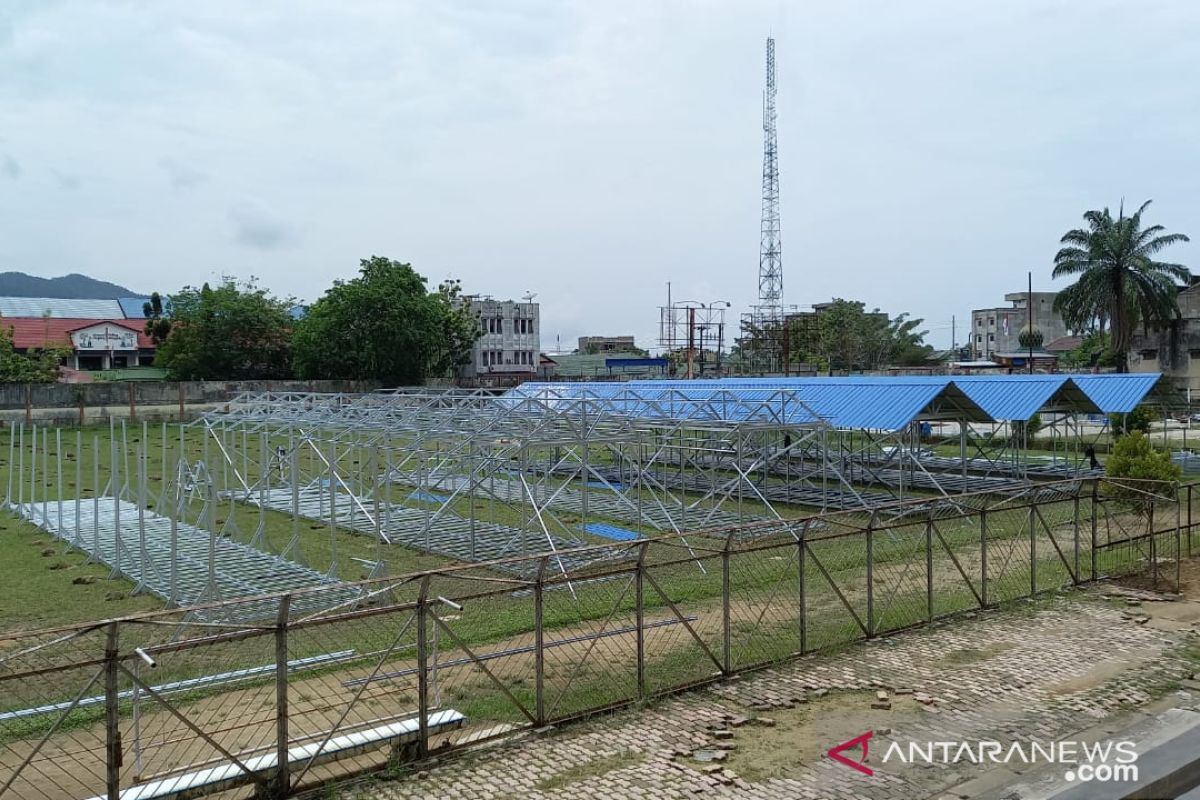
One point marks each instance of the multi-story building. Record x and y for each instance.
(510, 342)
(996, 330)
(606, 344)
(1175, 350)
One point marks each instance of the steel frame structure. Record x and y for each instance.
(486, 477)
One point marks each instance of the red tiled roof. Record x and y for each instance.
(30, 332)
(1064, 344)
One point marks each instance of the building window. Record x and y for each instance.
(979, 322)
(991, 322)
(978, 338)
(1149, 355)
(991, 337)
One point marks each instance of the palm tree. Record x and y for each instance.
(1120, 285)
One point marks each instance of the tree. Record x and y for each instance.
(1095, 350)
(235, 331)
(39, 365)
(848, 337)
(1119, 284)
(1139, 472)
(158, 327)
(385, 325)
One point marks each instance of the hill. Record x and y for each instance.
(18, 284)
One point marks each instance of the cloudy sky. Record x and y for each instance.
(931, 151)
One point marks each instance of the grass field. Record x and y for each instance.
(48, 584)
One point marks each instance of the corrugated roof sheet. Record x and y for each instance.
(861, 402)
(1115, 393)
(133, 307)
(1019, 397)
(60, 308)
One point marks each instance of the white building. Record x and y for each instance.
(510, 343)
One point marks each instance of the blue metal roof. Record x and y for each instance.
(867, 402)
(858, 402)
(671, 400)
(1019, 397)
(132, 307)
(1117, 393)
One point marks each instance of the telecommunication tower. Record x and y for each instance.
(770, 249)
(764, 340)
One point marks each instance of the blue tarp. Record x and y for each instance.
(610, 532)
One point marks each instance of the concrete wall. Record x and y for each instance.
(1174, 351)
(71, 404)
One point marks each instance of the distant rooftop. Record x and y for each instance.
(61, 308)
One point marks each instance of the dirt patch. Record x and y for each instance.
(800, 736)
(973, 655)
(1100, 673)
(590, 770)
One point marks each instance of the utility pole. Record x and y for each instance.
(691, 340)
(1029, 307)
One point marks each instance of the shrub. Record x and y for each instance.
(1137, 420)
(1139, 472)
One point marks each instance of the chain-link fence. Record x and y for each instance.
(178, 704)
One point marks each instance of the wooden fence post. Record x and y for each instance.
(423, 670)
(283, 771)
(112, 713)
(539, 647)
(640, 602)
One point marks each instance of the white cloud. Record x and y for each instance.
(931, 151)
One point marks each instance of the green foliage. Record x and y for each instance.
(848, 337)
(385, 325)
(1138, 420)
(158, 327)
(1119, 284)
(231, 332)
(39, 365)
(1139, 471)
(1023, 431)
(1094, 351)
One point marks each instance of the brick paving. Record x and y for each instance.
(1038, 675)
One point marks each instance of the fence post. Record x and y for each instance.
(871, 576)
(640, 601)
(929, 566)
(1189, 520)
(28, 404)
(983, 592)
(422, 671)
(1178, 545)
(132, 405)
(1153, 548)
(283, 771)
(726, 637)
(539, 647)
(112, 713)
(802, 545)
(1095, 517)
(1032, 554)
(180, 385)
(1075, 500)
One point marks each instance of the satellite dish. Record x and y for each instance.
(528, 296)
